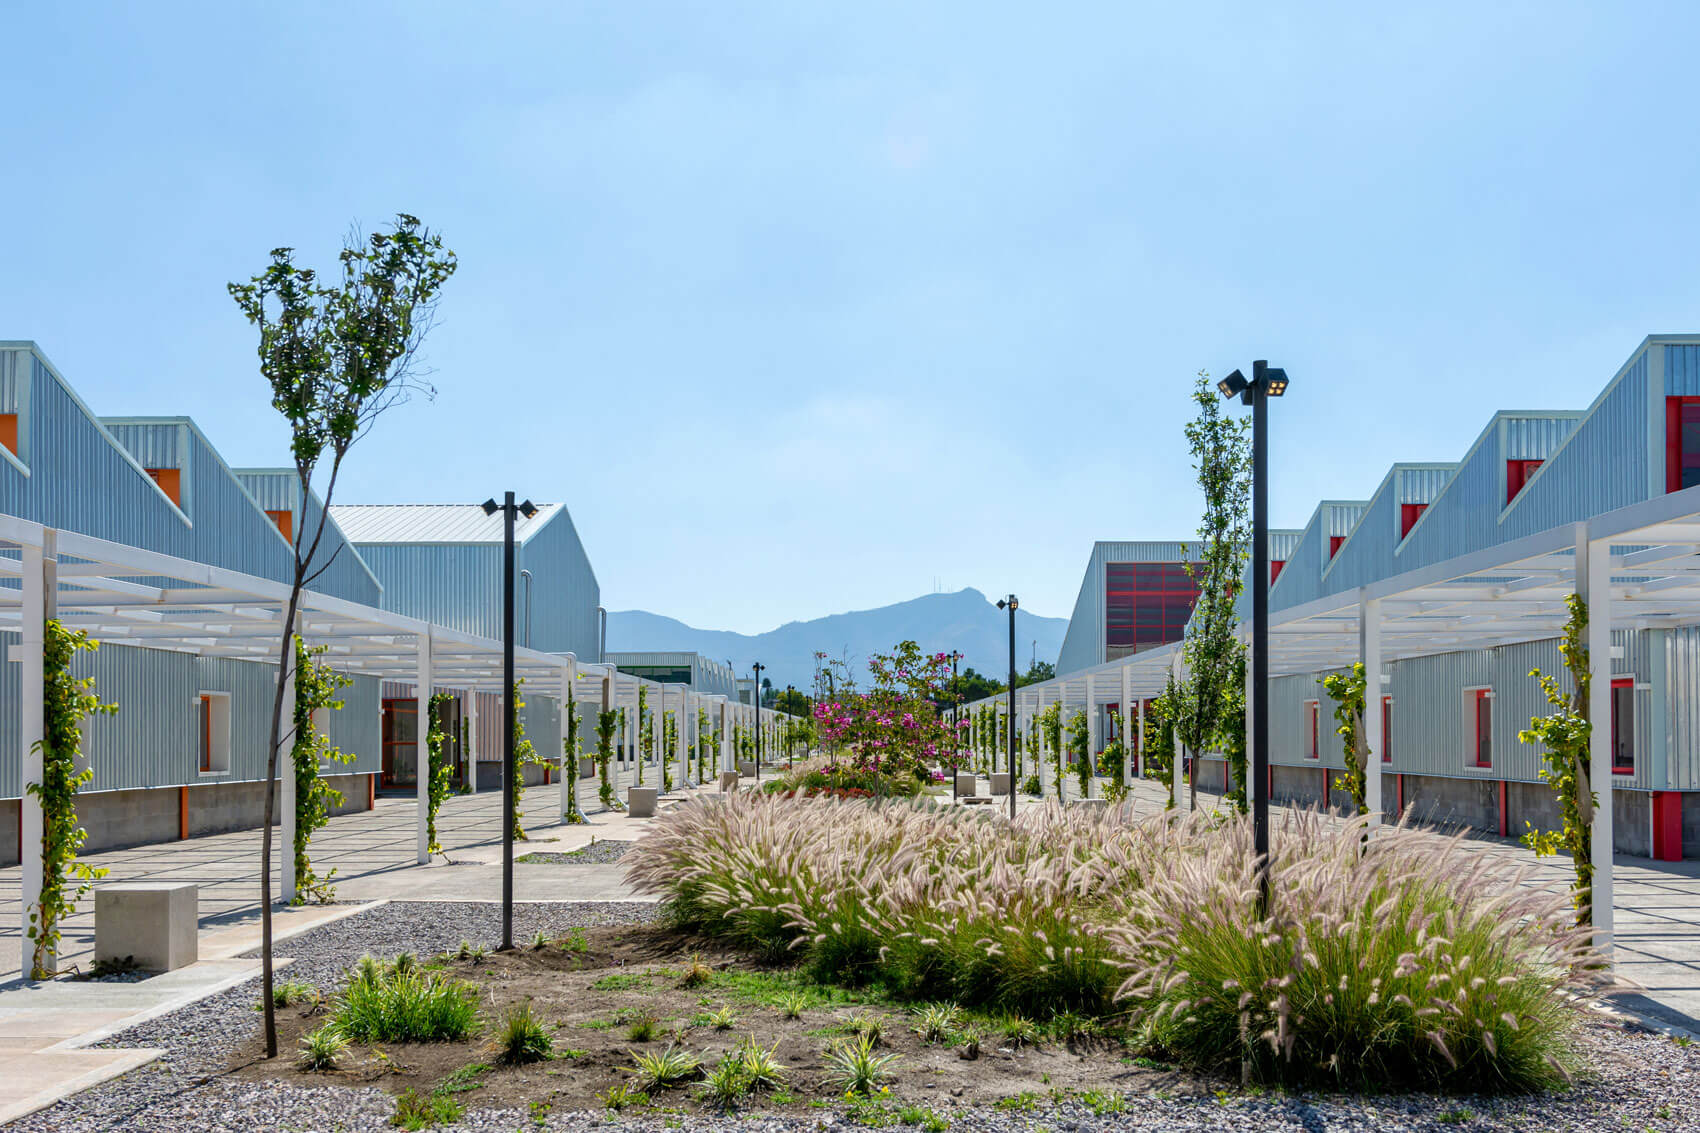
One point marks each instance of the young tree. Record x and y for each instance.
(1221, 453)
(336, 356)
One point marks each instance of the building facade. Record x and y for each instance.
(1135, 596)
(693, 670)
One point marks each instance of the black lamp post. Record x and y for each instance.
(790, 727)
(955, 702)
(508, 509)
(1011, 604)
(1266, 382)
(755, 695)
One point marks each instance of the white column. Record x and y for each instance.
(1091, 725)
(1369, 651)
(472, 740)
(726, 752)
(1128, 734)
(32, 641)
(286, 779)
(422, 754)
(1597, 557)
(569, 780)
(1139, 716)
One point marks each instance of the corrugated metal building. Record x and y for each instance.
(186, 752)
(1135, 596)
(693, 670)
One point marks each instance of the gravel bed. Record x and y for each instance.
(597, 853)
(1641, 1081)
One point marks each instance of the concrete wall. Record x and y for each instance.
(117, 819)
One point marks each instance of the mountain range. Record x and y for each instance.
(965, 620)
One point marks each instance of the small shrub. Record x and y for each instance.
(929, 1121)
(414, 1110)
(415, 1006)
(1456, 1116)
(937, 1022)
(539, 940)
(726, 1084)
(575, 941)
(292, 991)
(620, 1095)
(765, 1071)
(643, 1029)
(1020, 1031)
(468, 1077)
(696, 974)
(522, 1037)
(866, 1026)
(321, 1048)
(723, 1019)
(854, 1067)
(657, 1070)
(1101, 1103)
(792, 1004)
(471, 952)
(405, 963)
(1024, 1102)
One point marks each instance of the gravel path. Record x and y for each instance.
(1643, 1081)
(597, 853)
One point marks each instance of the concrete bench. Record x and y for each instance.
(155, 924)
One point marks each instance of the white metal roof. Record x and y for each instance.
(432, 523)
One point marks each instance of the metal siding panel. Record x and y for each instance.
(1682, 371)
(1682, 707)
(565, 594)
(1421, 485)
(14, 363)
(1536, 438)
(154, 444)
(1604, 465)
(456, 586)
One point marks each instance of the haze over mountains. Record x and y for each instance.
(966, 620)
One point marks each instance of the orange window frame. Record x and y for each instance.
(1315, 751)
(9, 432)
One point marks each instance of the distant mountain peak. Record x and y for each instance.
(942, 621)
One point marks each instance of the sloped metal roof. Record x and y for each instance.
(432, 523)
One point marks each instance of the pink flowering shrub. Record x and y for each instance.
(898, 727)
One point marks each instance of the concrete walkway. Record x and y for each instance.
(46, 1028)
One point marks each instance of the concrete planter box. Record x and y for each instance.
(747, 768)
(156, 924)
(1000, 782)
(966, 782)
(640, 801)
(728, 780)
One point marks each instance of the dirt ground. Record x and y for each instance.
(590, 990)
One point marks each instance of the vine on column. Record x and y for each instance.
(66, 701)
(316, 687)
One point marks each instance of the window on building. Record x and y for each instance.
(1682, 442)
(1312, 722)
(212, 718)
(170, 482)
(1275, 566)
(1517, 473)
(1623, 726)
(1145, 605)
(1408, 516)
(284, 521)
(9, 432)
(1478, 716)
(1387, 729)
(1334, 542)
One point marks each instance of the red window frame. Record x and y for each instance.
(1387, 729)
(1622, 684)
(1674, 456)
(1517, 473)
(1481, 699)
(1315, 711)
(1334, 542)
(1408, 516)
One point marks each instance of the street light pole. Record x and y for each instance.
(1011, 604)
(1266, 382)
(508, 509)
(755, 695)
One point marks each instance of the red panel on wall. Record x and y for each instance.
(1682, 442)
(1667, 826)
(1408, 516)
(1334, 542)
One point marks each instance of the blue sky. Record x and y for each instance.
(802, 309)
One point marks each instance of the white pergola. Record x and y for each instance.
(1637, 567)
(128, 595)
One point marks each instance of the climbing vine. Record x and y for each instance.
(569, 758)
(1564, 734)
(524, 754)
(316, 687)
(669, 745)
(1051, 729)
(701, 746)
(66, 701)
(1347, 691)
(1159, 742)
(646, 737)
(606, 722)
(441, 769)
(1080, 746)
(1110, 766)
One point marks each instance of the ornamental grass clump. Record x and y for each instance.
(1408, 962)
(411, 1005)
(1404, 961)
